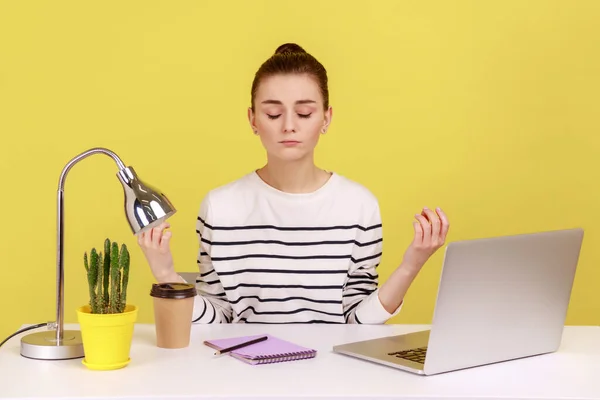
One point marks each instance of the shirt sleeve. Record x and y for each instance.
(211, 304)
(360, 296)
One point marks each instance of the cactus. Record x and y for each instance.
(93, 279)
(114, 277)
(106, 272)
(108, 277)
(99, 296)
(90, 277)
(124, 265)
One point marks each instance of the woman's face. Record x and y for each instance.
(288, 116)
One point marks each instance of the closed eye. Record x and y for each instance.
(278, 115)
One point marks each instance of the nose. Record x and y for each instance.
(289, 124)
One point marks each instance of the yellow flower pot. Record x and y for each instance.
(106, 337)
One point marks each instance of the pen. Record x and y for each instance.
(239, 346)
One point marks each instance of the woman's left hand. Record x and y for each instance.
(431, 229)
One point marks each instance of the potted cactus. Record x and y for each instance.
(107, 320)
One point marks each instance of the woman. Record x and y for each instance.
(290, 242)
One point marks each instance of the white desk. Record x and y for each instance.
(194, 373)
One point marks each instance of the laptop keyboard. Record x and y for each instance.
(417, 355)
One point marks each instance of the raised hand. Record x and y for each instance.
(431, 228)
(155, 246)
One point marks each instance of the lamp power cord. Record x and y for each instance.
(50, 325)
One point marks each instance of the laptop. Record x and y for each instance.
(499, 299)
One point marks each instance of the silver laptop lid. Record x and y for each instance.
(502, 298)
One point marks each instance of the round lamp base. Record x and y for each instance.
(43, 346)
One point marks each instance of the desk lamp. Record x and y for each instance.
(145, 207)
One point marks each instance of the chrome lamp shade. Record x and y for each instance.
(145, 207)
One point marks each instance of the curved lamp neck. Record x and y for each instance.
(85, 154)
(60, 236)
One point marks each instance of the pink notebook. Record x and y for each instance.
(272, 350)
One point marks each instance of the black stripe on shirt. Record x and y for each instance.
(360, 282)
(208, 282)
(282, 271)
(281, 242)
(349, 309)
(288, 228)
(281, 256)
(358, 292)
(214, 313)
(284, 299)
(203, 312)
(299, 310)
(206, 273)
(221, 294)
(364, 275)
(286, 257)
(312, 321)
(265, 286)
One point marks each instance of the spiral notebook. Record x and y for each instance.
(272, 350)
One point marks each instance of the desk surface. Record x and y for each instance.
(194, 373)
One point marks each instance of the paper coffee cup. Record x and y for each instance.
(173, 309)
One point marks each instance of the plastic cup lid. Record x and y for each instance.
(173, 290)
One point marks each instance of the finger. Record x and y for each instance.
(164, 243)
(162, 226)
(435, 224)
(158, 233)
(156, 236)
(418, 232)
(148, 238)
(140, 238)
(445, 224)
(425, 227)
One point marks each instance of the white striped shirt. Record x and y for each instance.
(267, 256)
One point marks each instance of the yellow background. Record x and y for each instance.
(487, 108)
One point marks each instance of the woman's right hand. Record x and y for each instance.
(155, 246)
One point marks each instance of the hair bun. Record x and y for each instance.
(289, 48)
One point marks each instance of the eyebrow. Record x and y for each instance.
(297, 102)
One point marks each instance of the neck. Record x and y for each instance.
(301, 176)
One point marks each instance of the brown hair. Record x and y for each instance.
(289, 58)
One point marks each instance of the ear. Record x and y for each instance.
(251, 120)
(327, 119)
